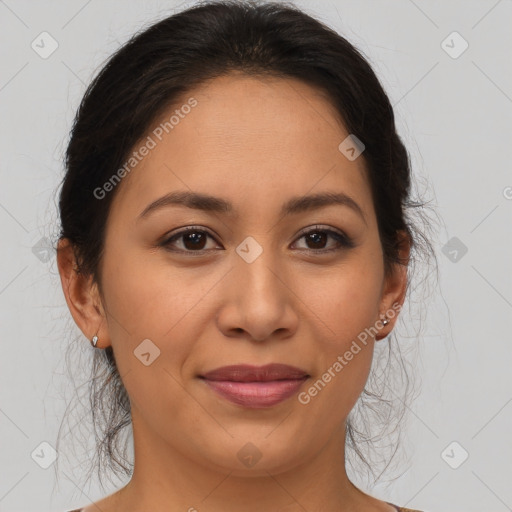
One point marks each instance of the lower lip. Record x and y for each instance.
(256, 394)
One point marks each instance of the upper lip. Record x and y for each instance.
(249, 373)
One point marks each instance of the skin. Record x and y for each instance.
(255, 142)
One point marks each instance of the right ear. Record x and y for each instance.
(82, 295)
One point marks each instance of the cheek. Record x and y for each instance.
(147, 302)
(346, 302)
(148, 297)
(348, 307)
(346, 352)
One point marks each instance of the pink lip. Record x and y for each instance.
(253, 386)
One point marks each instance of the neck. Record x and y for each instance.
(166, 478)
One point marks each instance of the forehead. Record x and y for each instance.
(253, 139)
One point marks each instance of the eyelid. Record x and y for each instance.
(320, 227)
(183, 231)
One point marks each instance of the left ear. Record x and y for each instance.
(395, 286)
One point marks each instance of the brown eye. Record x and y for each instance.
(317, 238)
(194, 240)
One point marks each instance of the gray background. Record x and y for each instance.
(454, 115)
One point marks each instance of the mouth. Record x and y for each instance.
(253, 386)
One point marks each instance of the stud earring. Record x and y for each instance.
(384, 321)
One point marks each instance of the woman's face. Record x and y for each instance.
(249, 287)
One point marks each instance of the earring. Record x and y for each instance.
(384, 321)
(94, 341)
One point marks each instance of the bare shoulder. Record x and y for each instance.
(108, 504)
(373, 504)
(396, 508)
(377, 505)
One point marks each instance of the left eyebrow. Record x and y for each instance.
(293, 206)
(320, 200)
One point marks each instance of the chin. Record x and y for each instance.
(254, 456)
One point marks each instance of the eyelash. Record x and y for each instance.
(343, 240)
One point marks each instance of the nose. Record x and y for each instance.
(259, 303)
